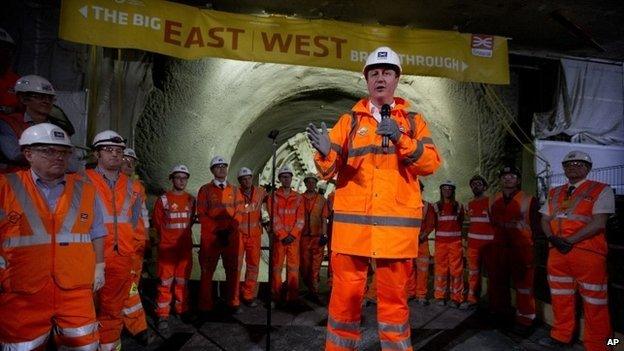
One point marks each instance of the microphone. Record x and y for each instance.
(385, 113)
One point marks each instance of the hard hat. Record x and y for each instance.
(577, 156)
(179, 169)
(130, 153)
(5, 37)
(510, 170)
(448, 183)
(310, 175)
(44, 133)
(108, 138)
(34, 84)
(218, 160)
(244, 172)
(383, 55)
(478, 177)
(285, 169)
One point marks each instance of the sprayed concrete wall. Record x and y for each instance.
(210, 107)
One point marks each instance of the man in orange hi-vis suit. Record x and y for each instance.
(133, 313)
(313, 236)
(515, 218)
(250, 230)
(449, 252)
(378, 207)
(574, 221)
(288, 215)
(121, 199)
(418, 284)
(52, 241)
(216, 208)
(480, 238)
(173, 217)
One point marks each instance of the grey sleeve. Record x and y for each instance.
(9, 144)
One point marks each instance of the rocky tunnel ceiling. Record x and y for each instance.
(210, 107)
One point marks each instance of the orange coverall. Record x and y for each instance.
(449, 253)
(419, 280)
(311, 251)
(250, 230)
(480, 245)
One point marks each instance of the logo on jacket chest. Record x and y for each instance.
(14, 217)
(362, 131)
(84, 217)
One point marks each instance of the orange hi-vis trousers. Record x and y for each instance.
(586, 271)
(250, 245)
(479, 253)
(27, 319)
(417, 285)
(174, 269)
(111, 300)
(290, 254)
(133, 313)
(311, 259)
(345, 306)
(209, 254)
(448, 258)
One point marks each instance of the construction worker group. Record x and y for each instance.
(72, 243)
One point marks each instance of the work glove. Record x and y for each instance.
(423, 237)
(98, 281)
(388, 127)
(563, 245)
(223, 236)
(323, 240)
(319, 139)
(288, 240)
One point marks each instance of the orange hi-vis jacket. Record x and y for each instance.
(173, 217)
(449, 221)
(250, 212)
(315, 210)
(568, 216)
(512, 221)
(289, 214)
(37, 244)
(217, 207)
(378, 207)
(480, 227)
(122, 213)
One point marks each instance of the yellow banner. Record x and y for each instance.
(190, 33)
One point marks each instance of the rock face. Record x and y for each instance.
(210, 107)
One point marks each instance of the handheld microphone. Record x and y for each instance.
(385, 113)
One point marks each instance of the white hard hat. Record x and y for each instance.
(130, 153)
(244, 172)
(577, 156)
(34, 84)
(108, 138)
(5, 37)
(218, 160)
(180, 169)
(310, 175)
(285, 169)
(383, 55)
(448, 183)
(44, 133)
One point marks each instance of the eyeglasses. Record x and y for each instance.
(221, 165)
(112, 150)
(43, 97)
(574, 164)
(52, 153)
(180, 178)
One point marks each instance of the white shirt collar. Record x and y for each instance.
(376, 112)
(577, 184)
(218, 183)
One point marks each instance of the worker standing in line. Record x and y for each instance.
(480, 238)
(449, 252)
(120, 199)
(250, 231)
(133, 313)
(313, 237)
(516, 218)
(173, 217)
(37, 95)
(216, 208)
(288, 223)
(574, 221)
(419, 281)
(52, 251)
(378, 207)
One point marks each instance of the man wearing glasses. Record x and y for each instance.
(52, 242)
(574, 221)
(37, 95)
(120, 198)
